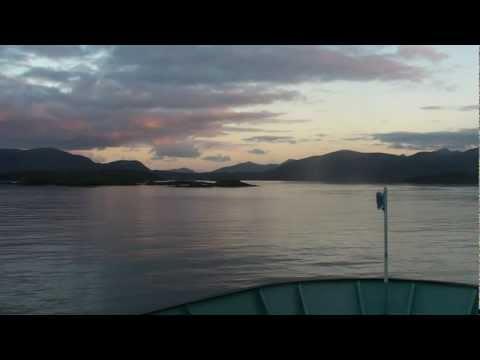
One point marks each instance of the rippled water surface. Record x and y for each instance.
(136, 249)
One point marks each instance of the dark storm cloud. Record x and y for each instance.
(271, 139)
(217, 158)
(167, 96)
(461, 139)
(257, 152)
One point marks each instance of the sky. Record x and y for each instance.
(205, 107)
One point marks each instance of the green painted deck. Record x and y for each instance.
(339, 297)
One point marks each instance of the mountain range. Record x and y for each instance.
(344, 166)
(351, 166)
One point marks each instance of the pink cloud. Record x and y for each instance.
(4, 115)
(420, 51)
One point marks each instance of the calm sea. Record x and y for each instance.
(116, 250)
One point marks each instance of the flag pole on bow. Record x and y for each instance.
(382, 204)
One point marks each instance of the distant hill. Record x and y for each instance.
(47, 159)
(44, 159)
(246, 167)
(130, 165)
(182, 171)
(173, 175)
(349, 166)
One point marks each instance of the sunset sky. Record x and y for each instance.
(205, 107)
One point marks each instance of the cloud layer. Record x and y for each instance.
(456, 108)
(453, 140)
(257, 152)
(420, 52)
(217, 158)
(271, 139)
(171, 97)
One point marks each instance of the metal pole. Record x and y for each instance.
(385, 270)
(385, 210)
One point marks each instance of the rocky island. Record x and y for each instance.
(201, 184)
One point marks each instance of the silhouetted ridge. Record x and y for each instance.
(350, 166)
(130, 165)
(182, 170)
(43, 159)
(246, 167)
(49, 159)
(443, 166)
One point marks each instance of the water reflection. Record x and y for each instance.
(135, 249)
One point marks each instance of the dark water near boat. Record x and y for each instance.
(136, 249)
